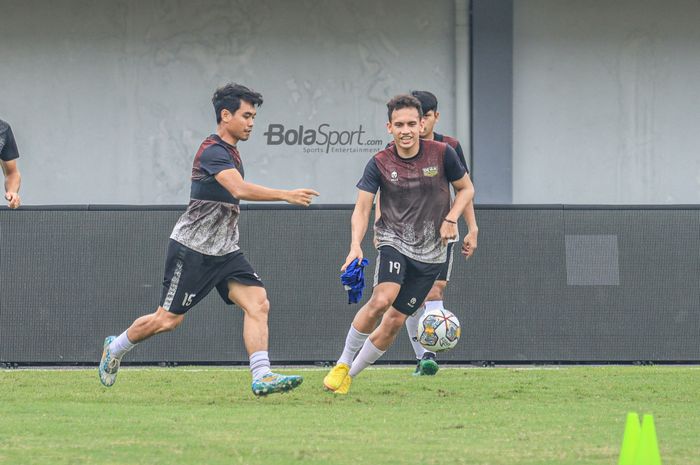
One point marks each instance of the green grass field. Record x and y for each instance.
(573, 415)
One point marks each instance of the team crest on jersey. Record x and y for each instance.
(394, 176)
(430, 171)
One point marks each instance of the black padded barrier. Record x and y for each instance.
(547, 284)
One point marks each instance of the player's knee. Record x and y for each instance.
(437, 292)
(379, 303)
(264, 307)
(164, 321)
(258, 309)
(434, 294)
(394, 322)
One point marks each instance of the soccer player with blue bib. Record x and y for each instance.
(417, 221)
(203, 252)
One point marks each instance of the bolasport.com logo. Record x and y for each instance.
(322, 139)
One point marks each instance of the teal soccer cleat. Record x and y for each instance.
(109, 366)
(427, 366)
(272, 383)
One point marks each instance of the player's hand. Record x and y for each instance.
(448, 231)
(355, 253)
(12, 199)
(469, 243)
(302, 197)
(375, 241)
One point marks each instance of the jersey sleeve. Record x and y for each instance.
(453, 166)
(371, 178)
(8, 146)
(215, 159)
(460, 154)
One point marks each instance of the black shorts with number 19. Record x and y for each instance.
(416, 278)
(190, 276)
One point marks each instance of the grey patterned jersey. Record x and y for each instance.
(210, 223)
(415, 198)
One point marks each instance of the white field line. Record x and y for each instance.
(306, 368)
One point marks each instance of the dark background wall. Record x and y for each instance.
(492, 99)
(549, 283)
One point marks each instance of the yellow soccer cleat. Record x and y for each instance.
(344, 386)
(334, 378)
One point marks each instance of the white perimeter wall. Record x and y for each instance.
(606, 105)
(109, 100)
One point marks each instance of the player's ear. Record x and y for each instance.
(437, 116)
(388, 127)
(226, 115)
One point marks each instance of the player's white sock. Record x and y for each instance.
(367, 356)
(259, 364)
(434, 305)
(430, 305)
(412, 328)
(353, 343)
(120, 346)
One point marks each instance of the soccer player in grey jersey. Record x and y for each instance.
(417, 221)
(203, 252)
(8, 160)
(425, 360)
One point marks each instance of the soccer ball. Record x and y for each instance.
(438, 330)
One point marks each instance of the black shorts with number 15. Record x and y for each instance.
(190, 276)
(416, 278)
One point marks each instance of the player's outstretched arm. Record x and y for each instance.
(233, 182)
(358, 226)
(12, 182)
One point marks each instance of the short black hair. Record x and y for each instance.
(428, 100)
(404, 101)
(229, 98)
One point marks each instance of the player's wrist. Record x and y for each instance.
(447, 220)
